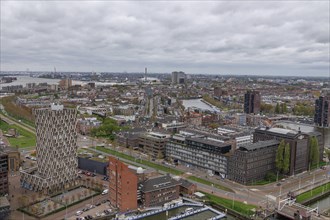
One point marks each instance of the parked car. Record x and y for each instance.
(79, 213)
(105, 191)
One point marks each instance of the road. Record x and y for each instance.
(20, 124)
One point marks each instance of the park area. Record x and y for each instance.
(59, 202)
(22, 138)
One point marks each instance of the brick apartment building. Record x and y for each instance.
(123, 183)
(159, 190)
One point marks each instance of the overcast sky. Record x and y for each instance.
(273, 38)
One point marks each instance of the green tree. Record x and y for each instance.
(107, 129)
(327, 153)
(284, 108)
(277, 108)
(266, 108)
(280, 156)
(314, 155)
(286, 159)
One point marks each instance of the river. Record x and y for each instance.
(323, 204)
(23, 80)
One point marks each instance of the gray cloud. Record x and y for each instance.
(198, 37)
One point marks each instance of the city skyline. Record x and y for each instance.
(250, 38)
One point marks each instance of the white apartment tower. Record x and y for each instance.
(56, 150)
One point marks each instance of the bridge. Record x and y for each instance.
(292, 210)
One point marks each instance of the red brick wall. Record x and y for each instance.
(122, 185)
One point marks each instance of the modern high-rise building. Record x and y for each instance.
(123, 183)
(178, 78)
(322, 111)
(252, 101)
(56, 150)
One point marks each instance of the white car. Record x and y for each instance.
(105, 191)
(79, 213)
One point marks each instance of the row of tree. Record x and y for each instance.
(281, 108)
(283, 152)
(282, 160)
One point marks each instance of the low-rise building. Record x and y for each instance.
(159, 190)
(85, 125)
(153, 144)
(200, 151)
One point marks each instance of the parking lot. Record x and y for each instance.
(97, 210)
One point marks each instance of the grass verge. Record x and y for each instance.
(240, 207)
(25, 138)
(312, 193)
(143, 162)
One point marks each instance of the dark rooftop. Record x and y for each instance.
(158, 183)
(259, 145)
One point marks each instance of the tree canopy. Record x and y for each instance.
(107, 129)
(282, 159)
(314, 155)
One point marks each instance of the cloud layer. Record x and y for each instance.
(197, 37)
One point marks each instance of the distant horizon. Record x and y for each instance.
(188, 73)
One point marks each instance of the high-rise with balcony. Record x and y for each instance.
(56, 150)
(252, 101)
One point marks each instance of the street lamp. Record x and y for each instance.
(233, 205)
(66, 210)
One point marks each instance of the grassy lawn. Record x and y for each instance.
(160, 167)
(264, 182)
(26, 138)
(322, 163)
(312, 193)
(244, 209)
(143, 162)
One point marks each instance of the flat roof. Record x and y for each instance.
(259, 145)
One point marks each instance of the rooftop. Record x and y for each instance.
(259, 145)
(158, 183)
